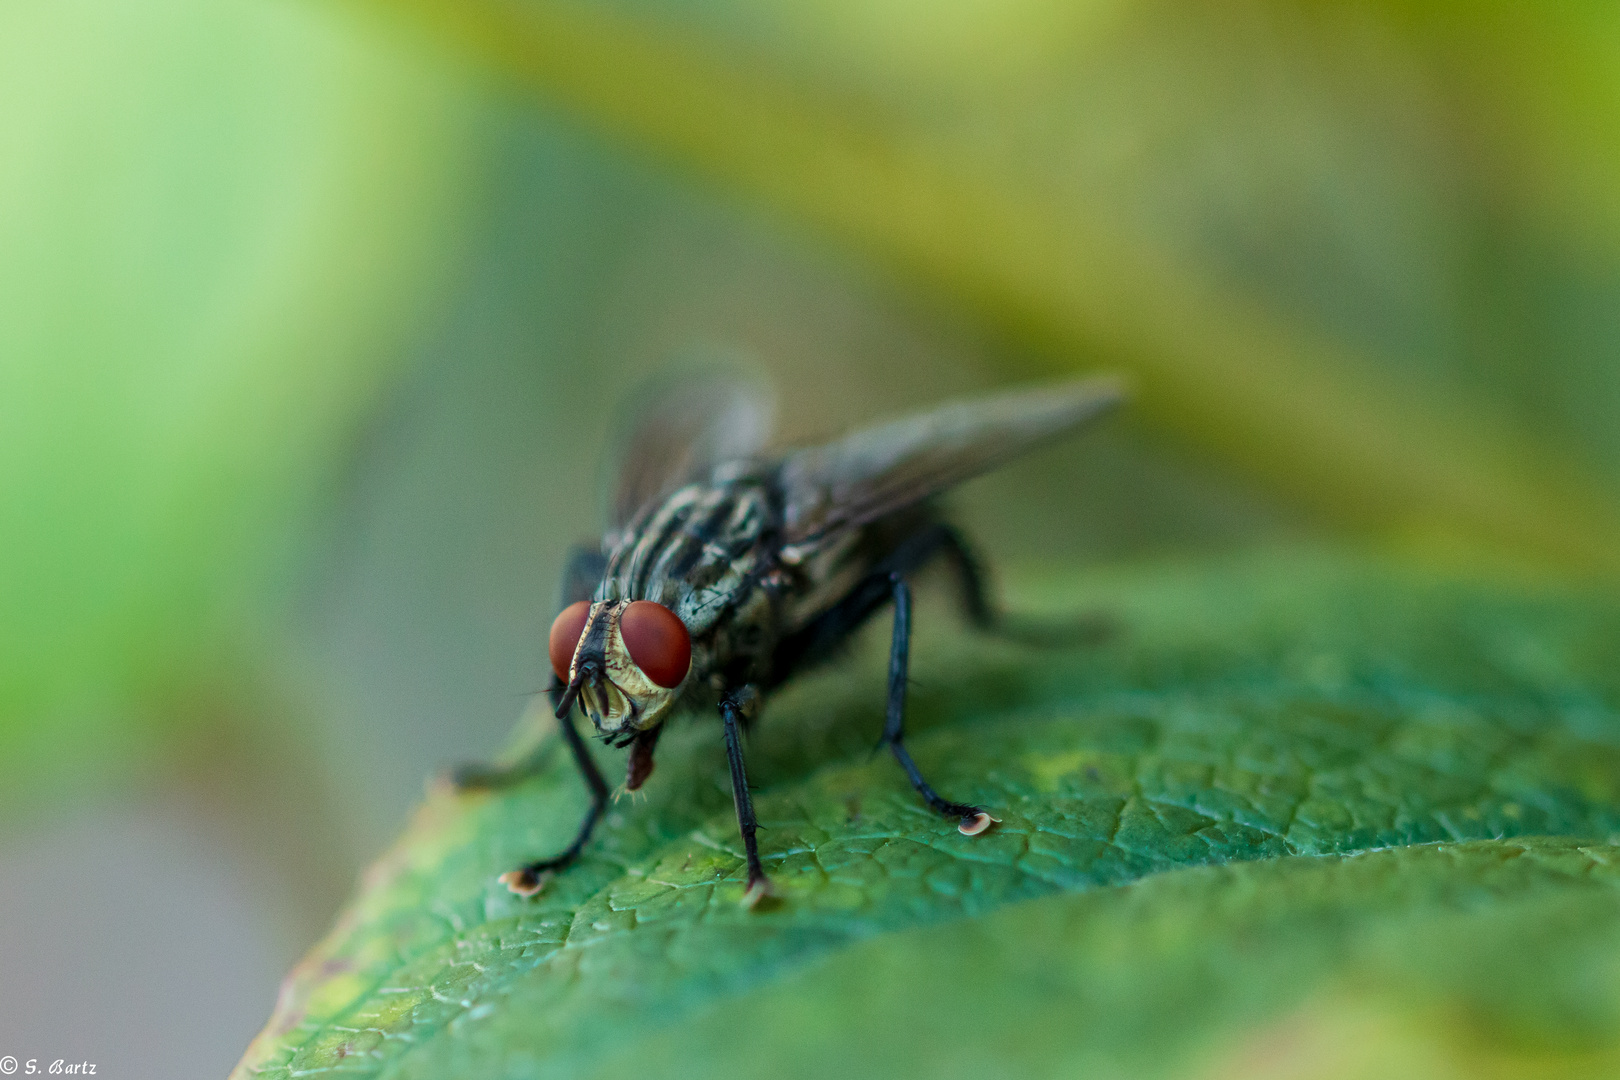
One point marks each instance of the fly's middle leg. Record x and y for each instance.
(731, 717)
(972, 820)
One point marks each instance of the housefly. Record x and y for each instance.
(728, 569)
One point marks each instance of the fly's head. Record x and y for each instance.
(623, 660)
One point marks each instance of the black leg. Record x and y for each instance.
(822, 638)
(731, 717)
(969, 578)
(1061, 632)
(478, 776)
(1042, 633)
(529, 880)
(972, 820)
(581, 573)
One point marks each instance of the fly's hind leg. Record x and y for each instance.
(1085, 628)
(971, 820)
(974, 596)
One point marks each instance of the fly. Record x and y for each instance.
(726, 570)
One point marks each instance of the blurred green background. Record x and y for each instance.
(314, 317)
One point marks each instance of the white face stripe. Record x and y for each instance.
(634, 702)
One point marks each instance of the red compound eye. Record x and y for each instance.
(565, 634)
(658, 642)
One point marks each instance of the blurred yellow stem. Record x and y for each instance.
(1214, 369)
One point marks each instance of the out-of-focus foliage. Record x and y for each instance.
(1365, 256)
(213, 220)
(312, 318)
(1262, 714)
(1322, 238)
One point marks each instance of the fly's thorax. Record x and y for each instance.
(697, 551)
(614, 691)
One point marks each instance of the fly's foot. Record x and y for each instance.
(971, 821)
(977, 822)
(1087, 629)
(527, 881)
(759, 890)
(472, 777)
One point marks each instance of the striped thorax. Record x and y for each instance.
(703, 553)
(728, 568)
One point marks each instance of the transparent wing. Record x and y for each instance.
(679, 427)
(879, 470)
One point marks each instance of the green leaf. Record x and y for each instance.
(1290, 794)
(1482, 958)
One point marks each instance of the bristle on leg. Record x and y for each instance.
(974, 824)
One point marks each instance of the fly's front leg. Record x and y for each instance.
(477, 776)
(529, 880)
(732, 708)
(580, 575)
(971, 819)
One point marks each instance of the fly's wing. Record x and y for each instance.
(680, 428)
(874, 472)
